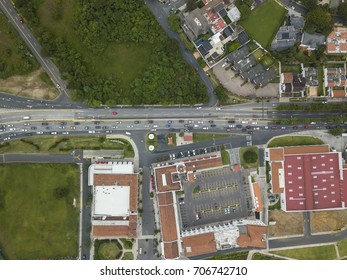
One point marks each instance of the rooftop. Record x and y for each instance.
(254, 237)
(199, 244)
(312, 41)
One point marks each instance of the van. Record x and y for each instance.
(127, 133)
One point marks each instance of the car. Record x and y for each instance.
(150, 121)
(114, 127)
(181, 121)
(108, 131)
(97, 127)
(114, 113)
(169, 121)
(231, 121)
(205, 128)
(293, 7)
(10, 125)
(12, 128)
(136, 122)
(27, 124)
(213, 125)
(211, 121)
(273, 127)
(228, 130)
(327, 127)
(65, 132)
(198, 108)
(224, 64)
(140, 251)
(39, 132)
(105, 127)
(96, 122)
(91, 131)
(295, 127)
(283, 127)
(118, 122)
(306, 126)
(72, 127)
(218, 108)
(53, 132)
(86, 127)
(62, 123)
(62, 127)
(48, 127)
(44, 123)
(58, 86)
(76, 123)
(24, 130)
(21, 21)
(250, 132)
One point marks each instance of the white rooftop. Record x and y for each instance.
(109, 168)
(111, 201)
(234, 14)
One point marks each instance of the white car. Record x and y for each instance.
(91, 131)
(53, 132)
(218, 108)
(24, 129)
(224, 64)
(65, 132)
(205, 128)
(12, 128)
(39, 132)
(198, 108)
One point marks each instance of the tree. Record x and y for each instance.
(342, 12)
(336, 131)
(310, 4)
(191, 5)
(319, 20)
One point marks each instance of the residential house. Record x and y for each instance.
(194, 24)
(312, 83)
(311, 42)
(234, 14)
(335, 82)
(337, 41)
(291, 83)
(298, 22)
(285, 38)
(244, 64)
(251, 73)
(264, 77)
(238, 54)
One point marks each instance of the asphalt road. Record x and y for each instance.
(34, 46)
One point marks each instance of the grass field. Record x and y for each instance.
(264, 21)
(294, 141)
(258, 54)
(61, 144)
(231, 256)
(35, 223)
(244, 163)
(342, 245)
(107, 250)
(325, 252)
(128, 256)
(225, 157)
(258, 256)
(291, 68)
(201, 137)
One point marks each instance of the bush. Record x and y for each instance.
(336, 131)
(61, 192)
(250, 157)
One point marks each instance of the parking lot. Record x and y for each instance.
(217, 195)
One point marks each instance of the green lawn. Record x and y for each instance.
(249, 157)
(342, 245)
(60, 144)
(267, 61)
(231, 256)
(35, 222)
(258, 54)
(325, 252)
(294, 141)
(107, 250)
(264, 21)
(225, 156)
(291, 68)
(127, 244)
(201, 137)
(153, 142)
(258, 256)
(128, 256)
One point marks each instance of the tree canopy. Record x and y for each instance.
(319, 20)
(342, 11)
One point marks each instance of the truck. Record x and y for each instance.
(26, 118)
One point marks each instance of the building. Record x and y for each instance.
(291, 83)
(115, 199)
(285, 38)
(335, 81)
(312, 42)
(298, 22)
(190, 227)
(337, 41)
(308, 178)
(194, 24)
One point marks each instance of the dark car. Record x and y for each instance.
(169, 121)
(181, 121)
(76, 123)
(97, 127)
(96, 122)
(62, 123)
(21, 21)
(211, 121)
(105, 127)
(33, 127)
(295, 127)
(45, 123)
(136, 122)
(213, 125)
(231, 121)
(150, 121)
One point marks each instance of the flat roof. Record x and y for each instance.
(199, 244)
(120, 180)
(111, 201)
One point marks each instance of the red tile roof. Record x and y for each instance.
(171, 250)
(188, 138)
(257, 196)
(199, 244)
(168, 223)
(339, 93)
(253, 237)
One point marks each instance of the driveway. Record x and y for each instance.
(234, 84)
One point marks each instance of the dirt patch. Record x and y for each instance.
(237, 85)
(322, 221)
(286, 223)
(29, 86)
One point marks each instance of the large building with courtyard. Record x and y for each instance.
(308, 177)
(115, 199)
(204, 206)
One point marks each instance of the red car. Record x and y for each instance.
(21, 21)
(306, 126)
(114, 113)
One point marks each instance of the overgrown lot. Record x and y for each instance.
(113, 52)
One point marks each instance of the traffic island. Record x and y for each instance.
(152, 142)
